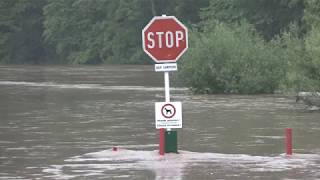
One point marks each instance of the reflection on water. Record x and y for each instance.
(60, 122)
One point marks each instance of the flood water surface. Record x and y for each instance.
(62, 122)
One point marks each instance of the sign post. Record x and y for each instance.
(165, 39)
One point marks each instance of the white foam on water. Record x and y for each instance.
(269, 137)
(172, 166)
(86, 86)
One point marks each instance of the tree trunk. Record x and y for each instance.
(153, 8)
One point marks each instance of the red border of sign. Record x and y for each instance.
(164, 60)
(174, 110)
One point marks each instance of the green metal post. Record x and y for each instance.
(171, 142)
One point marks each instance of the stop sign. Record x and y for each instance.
(165, 39)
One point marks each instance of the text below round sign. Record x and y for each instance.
(168, 111)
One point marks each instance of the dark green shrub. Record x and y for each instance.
(235, 59)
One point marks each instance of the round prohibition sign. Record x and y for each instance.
(168, 111)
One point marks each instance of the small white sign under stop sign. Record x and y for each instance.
(168, 115)
(166, 67)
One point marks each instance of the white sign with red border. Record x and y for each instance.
(168, 115)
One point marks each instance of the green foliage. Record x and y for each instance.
(269, 17)
(302, 53)
(287, 61)
(236, 46)
(85, 31)
(312, 66)
(292, 51)
(188, 10)
(82, 31)
(21, 31)
(232, 60)
(185, 10)
(312, 12)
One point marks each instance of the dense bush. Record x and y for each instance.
(312, 64)
(233, 59)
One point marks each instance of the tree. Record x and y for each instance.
(85, 31)
(312, 44)
(21, 31)
(185, 10)
(312, 64)
(270, 17)
(312, 12)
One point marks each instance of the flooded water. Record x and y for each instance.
(62, 122)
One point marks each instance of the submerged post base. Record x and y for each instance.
(288, 141)
(171, 142)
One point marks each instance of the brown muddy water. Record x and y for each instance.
(62, 122)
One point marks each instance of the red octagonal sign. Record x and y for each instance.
(165, 39)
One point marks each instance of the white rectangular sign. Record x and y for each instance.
(168, 115)
(166, 67)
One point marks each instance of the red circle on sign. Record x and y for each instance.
(165, 39)
(168, 110)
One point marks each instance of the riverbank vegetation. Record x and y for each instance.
(236, 46)
(255, 47)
